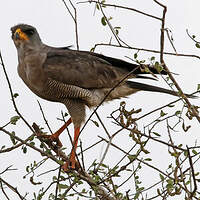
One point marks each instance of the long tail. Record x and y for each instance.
(146, 87)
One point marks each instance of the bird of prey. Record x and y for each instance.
(75, 78)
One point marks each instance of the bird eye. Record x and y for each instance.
(29, 31)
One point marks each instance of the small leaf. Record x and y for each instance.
(197, 45)
(15, 95)
(194, 151)
(162, 113)
(153, 58)
(135, 55)
(24, 149)
(132, 157)
(188, 182)
(14, 119)
(148, 159)
(198, 87)
(178, 112)
(157, 134)
(12, 138)
(158, 67)
(162, 177)
(97, 6)
(146, 69)
(103, 21)
(95, 123)
(27, 168)
(63, 186)
(60, 162)
(32, 143)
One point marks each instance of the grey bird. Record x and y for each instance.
(75, 78)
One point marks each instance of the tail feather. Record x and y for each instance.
(151, 88)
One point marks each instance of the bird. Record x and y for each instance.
(76, 78)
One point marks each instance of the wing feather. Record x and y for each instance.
(88, 70)
(81, 69)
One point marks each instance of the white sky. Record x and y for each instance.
(56, 28)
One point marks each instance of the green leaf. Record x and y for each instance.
(162, 177)
(3, 147)
(27, 168)
(97, 6)
(153, 58)
(198, 87)
(197, 45)
(132, 157)
(178, 112)
(146, 69)
(62, 186)
(24, 149)
(135, 55)
(12, 138)
(15, 95)
(32, 143)
(60, 162)
(188, 182)
(158, 67)
(157, 134)
(162, 113)
(194, 151)
(103, 21)
(148, 159)
(14, 119)
(95, 123)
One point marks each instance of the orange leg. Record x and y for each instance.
(55, 136)
(73, 152)
(60, 130)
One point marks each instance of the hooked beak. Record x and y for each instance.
(20, 35)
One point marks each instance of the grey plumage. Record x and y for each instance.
(74, 78)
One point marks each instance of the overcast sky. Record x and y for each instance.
(56, 28)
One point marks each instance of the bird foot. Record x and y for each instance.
(71, 165)
(53, 138)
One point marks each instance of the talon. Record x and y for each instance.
(71, 165)
(53, 138)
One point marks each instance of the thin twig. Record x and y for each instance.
(74, 17)
(1, 186)
(57, 183)
(14, 189)
(123, 7)
(193, 174)
(43, 115)
(190, 107)
(103, 125)
(12, 95)
(148, 50)
(170, 40)
(104, 155)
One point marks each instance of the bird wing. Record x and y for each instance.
(82, 69)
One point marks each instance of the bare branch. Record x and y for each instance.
(14, 189)
(123, 7)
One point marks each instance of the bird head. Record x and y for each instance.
(25, 35)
